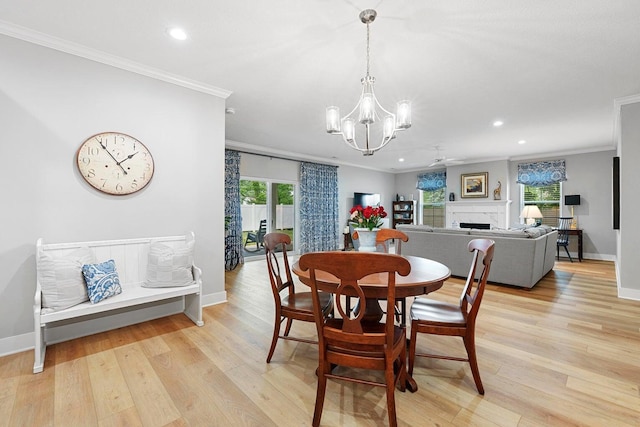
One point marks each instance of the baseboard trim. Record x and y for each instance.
(213, 299)
(16, 344)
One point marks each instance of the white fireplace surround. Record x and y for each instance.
(493, 212)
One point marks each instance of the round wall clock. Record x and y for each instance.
(115, 163)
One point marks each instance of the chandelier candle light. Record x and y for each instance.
(369, 110)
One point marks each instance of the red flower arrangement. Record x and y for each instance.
(369, 217)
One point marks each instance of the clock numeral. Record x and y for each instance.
(104, 182)
(91, 173)
(134, 184)
(147, 167)
(119, 187)
(92, 151)
(86, 160)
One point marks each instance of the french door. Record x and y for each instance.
(270, 200)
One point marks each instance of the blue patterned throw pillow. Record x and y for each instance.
(102, 280)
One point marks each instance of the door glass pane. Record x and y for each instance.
(253, 195)
(284, 209)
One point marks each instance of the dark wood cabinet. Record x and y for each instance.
(402, 212)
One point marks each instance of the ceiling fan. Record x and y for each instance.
(442, 160)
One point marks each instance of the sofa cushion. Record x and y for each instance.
(451, 230)
(541, 230)
(516, 234)
(414, 227)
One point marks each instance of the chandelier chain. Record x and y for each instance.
(367, 49)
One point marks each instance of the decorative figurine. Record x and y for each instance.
(496, 191)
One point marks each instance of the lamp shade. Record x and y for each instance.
(572, 200)
(529, 212)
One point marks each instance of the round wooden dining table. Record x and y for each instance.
(426, 276)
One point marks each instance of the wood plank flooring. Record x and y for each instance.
(565, 353)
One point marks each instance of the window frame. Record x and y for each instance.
(548, 220)
(441, 204)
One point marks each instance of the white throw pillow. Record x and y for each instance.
(169, 266)
(61, 278)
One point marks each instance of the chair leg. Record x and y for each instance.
(391, 388)
(276, 333)
(402, 373)
(287, 329)
(323, 369)
(557, 252)
(412, 347)
(568, 254)
(469, 343)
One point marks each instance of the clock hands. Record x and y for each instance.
(104, 147)
(126, 158)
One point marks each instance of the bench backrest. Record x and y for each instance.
(130, 255)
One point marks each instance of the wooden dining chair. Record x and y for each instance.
(383, 240)
(289, 304)
(350, 341)
(441, 318)
(385, 235)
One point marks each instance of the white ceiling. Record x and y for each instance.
(550, 69)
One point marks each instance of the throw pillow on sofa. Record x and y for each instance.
(169, 266)
(61, 279)
(102, 280)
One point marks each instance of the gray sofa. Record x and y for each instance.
(521, 258)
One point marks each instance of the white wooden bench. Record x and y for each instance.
(130, 256)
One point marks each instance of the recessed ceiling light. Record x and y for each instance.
(178, 33)
(498, 123)
(401, 159)
(522, 141)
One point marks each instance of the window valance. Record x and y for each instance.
(432, 181)
(539, 174)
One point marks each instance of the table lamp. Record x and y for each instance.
(529, 213)
(572, 200)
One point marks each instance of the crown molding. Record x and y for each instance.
(76, 49)
(297, 157)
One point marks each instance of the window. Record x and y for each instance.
(432, 186)
(547, 198)
(433, 213)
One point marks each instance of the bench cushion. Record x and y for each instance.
(102, 280)
(169, 266)
(61, 279)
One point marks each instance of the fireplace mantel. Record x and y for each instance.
(494, 212)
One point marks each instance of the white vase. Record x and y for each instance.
(367, 239)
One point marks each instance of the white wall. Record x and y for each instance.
(50, 102)
(355, 180)
(628, 265)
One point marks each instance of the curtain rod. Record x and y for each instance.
(277, 157)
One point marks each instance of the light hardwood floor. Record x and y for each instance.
(564, 353)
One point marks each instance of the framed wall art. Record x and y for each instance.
(474, 184)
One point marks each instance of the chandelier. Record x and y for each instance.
(369, 110)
